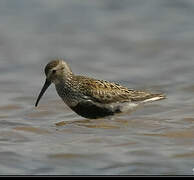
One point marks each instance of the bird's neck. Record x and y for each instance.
(65, 89)
(65, 82)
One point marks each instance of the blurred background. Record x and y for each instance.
(137, 43)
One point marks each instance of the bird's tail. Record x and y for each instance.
(154, 97)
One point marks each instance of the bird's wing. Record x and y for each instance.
(106, 92)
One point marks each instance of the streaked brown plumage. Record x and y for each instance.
(89, 97)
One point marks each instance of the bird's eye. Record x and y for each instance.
(54, 71)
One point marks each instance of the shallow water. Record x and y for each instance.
(140, 44)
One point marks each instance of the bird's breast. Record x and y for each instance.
(69, 95)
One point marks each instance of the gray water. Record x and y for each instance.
(137, 43)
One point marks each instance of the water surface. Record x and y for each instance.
(139, 44)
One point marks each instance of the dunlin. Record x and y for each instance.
(92, 98)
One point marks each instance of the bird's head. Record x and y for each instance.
(55, 71)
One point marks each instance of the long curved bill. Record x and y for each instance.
(46, 85)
